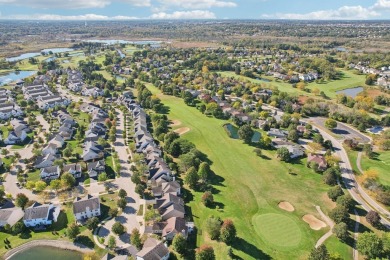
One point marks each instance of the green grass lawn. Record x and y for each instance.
(76, 146)
(247, 187)
(4, 131)
(380, 163)
(34, 176)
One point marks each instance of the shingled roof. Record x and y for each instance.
(81, 205)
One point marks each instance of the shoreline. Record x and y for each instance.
(66, 245)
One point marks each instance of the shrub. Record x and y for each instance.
(213, 226)
(228, 231)
(373, 218)
(207, 198)
(335, 192)
(341, 231)
(205, 252)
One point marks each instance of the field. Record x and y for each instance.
(380, 163)
(348, 80)
(247, 188)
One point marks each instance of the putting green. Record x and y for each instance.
(277, 229)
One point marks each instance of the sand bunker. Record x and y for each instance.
(175, 123)
(313, 222)
(182, 130)
(286, 206)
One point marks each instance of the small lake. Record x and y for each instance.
(14, 76)
(121, 54)
(47, 253)
(351, 92)
(34, 54)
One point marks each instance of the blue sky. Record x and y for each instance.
(194, 9)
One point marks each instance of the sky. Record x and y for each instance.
(194, 9)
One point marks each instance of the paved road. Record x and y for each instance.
(349, 180)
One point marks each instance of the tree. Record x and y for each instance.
(330, 123)
(346, 201)
(55, 184)
(370, 245)
(205, 252)
(319, 253)
(341, 231)
(257, 151)
(67, 180)
(113, 212)
(73, 231)
(30, 185)
(191, 178)
(204, 171)
(207, 198)
(293, 135)
(373, 218)
(135, 239)
(213, 226)
(67, 152)
(118, 228)
(245, 133)
(18, 228)
(179, 244)
(335, 192)
(21, 200)
(283, 154)
(317, 138)
(228, 232)
(266, 141)
(330, 177)
(111, 242)
(339, 214)
(121, 203)
(40, 186)
(92, 223)
(102, 177)
(122, 193)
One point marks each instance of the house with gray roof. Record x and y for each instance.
(153, 249)
(10, 216)
(50, 173)
(38, 214)
(87, 207)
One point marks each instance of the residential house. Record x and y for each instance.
(92, 151)
(10, 216)
(318, 159)
(86, 207)
(38, 214)
(273, 132)
(15, 137)
(170, 206)
(50, 173)
(50, 148)
(95, 168)
(175, 226)
(58, 141)
(73, 168)
(46, 160)
(153, 250)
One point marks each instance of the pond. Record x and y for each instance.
(47, 253)
(351, 92)
(34, 54)
(121, 54)
(14, 76)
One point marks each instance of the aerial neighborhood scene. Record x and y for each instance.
(208, 129)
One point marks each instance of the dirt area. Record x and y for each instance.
(313, 222)
(175, 123)
(375, 92)
(286, 206)
(182, 131)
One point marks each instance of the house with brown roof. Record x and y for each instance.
(319, 159)
(153, 250)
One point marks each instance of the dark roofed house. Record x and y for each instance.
(38, 214)
(10, 216)
(86, 207)
(74, 169)
(95, 168)
(153, 250)
(175, 226)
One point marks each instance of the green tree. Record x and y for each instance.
(111, 242)
(330, 123)
(191, 178)
(339, 214)
(113, 212)
(319, 253)
(293, 135)
(213, 227)
(135, 239)
(207, 198)
(73, 231)
(346, 201)
(121, 203)
(335, 192)
(179, 244)
(18, 228)
(330, 177)
(102, 177)
(122, 193)
(283, 154)
(118, 228)
(21, 200)
(370, 245)
(341, 231)
(30, 185)
(205, 252)
(245, 133)
(40, 186)
(373, 218)
(204, 171)
(228, 232)
(92, 223)
(55, 184)
(67, 180)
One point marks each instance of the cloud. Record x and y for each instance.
(197, 4)
(381, 5)
(71, 4)
(343, 13)
(55, 17)
(195, 14)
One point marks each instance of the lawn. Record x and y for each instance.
(34, 176)
(247, 187)
(380, 163)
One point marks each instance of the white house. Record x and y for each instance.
(50, 173)
(50, 149)
(39, 214)
(10, 216)
(15, 137)
(86, 207)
